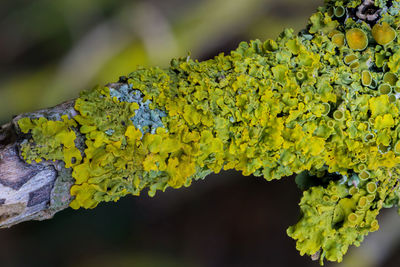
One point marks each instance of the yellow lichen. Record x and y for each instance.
(338, 39)
(366, 78)
(54, 140)
(305, 103)
(383, 33)
(356, 39)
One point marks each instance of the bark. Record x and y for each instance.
(31, 191)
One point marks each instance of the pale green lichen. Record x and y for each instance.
(323, 103)
(145, 118)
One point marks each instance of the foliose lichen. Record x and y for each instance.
(145, 118)
(324, 101)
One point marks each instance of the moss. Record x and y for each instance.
(321, 102)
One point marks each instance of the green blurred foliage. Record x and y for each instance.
(51, 50)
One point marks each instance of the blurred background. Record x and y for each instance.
(50, 50)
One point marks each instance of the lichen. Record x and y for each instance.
(54, 140)
(383, 34)
(145, 118)
(338, 218)
(324, 103)
(356, 39)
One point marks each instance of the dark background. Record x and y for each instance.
(50, 50)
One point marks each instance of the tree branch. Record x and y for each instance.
(323, 104)
(31, 191)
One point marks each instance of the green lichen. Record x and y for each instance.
(323, 103)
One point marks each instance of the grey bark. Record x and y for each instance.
(31, 191)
